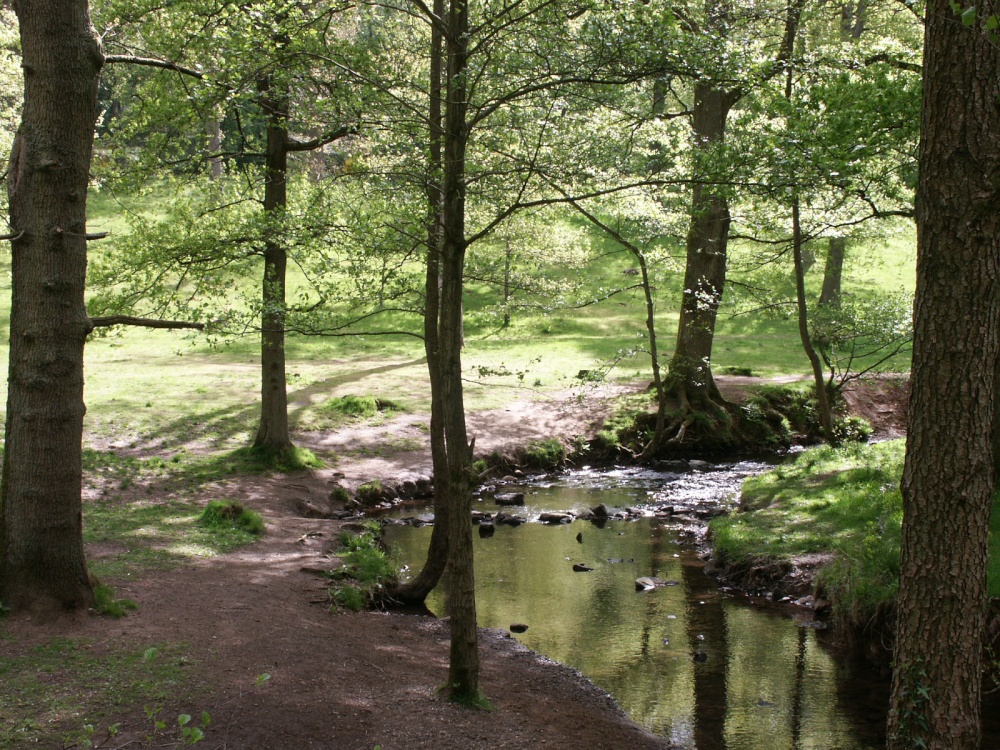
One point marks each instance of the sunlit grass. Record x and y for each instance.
(844, 501)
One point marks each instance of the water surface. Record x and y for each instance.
(689, 661)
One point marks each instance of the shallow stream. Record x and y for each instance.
(688, 660)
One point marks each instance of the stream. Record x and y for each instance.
(688, 660)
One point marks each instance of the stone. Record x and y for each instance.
(486, 530)
(697, 465)
(518, 627)
(601, 511)
(648, 583)
(509, 498)
(555, 518)
(581, 568)
(503, 518)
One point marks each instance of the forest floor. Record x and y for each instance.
(341, 680)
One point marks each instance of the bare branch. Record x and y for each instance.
(128, 320)
(153, 63)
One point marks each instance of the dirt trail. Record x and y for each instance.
(341, 681)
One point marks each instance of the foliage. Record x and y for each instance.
(365, 571)
(226, 515)
(544, 454)
(844, 501)
(797, 404)
(861, 333)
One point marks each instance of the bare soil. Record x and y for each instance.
(345, 681)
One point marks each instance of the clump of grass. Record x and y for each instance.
(359, 406)
(229, 516)
(544, 454)
(255, 459)
(106, 604)
(365, 570)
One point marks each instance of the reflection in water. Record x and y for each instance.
(685, 660)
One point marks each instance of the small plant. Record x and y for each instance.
(365, 570)
(191, 734)
(106, 604)
(230, 515)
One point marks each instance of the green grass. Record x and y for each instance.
(155, 534)
(226, 517)
(53, 690)
(365, 569)
(845, 501)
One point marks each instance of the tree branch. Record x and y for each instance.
(311, 145)
(153, 63)
(128, 320)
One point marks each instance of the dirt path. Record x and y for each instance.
(341, 681)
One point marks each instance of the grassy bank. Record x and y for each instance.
(844, 501)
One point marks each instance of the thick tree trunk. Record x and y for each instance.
(272, 432)
(705, 272)
(948, 478)
(416, 591)
(463, 671)
(42, 564)
(833, 272)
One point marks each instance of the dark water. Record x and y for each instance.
(687, 660)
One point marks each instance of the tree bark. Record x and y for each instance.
(416, 591)
(705, 270)
(822, 397)
(463, 671)
(948, 476)
(272, 432)
(833, 271)
(42, 566)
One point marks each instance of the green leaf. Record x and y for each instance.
(150, 653)
(969, 16)
(184, 719)
(992, 23)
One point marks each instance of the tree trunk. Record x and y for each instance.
(214, 130)
(822, 397)
(948, 476)
(659, 432)
(272, 433)
(463, 671)
(705, 272)
(416, 591)
(42, 566)
(833, 271)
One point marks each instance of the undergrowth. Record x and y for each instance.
(365, 571)
(845, 501)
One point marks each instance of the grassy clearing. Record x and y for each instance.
(177, 390)
(161, 534)
(54, 691)
(846, 501)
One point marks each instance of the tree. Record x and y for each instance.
(42, 565)
(948, 475)
(265, 68)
